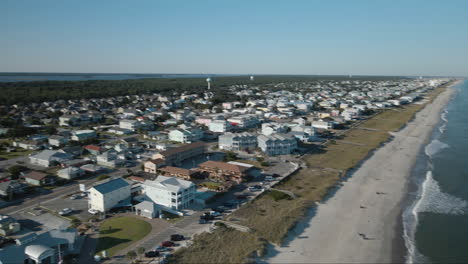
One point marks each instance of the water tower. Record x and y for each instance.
(208, 80)
(252, 78)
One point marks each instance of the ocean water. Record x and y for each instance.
(435, 220)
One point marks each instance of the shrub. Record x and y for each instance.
(277, 195)
(103, 177)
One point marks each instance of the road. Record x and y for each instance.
(5, 164)
(59, 192)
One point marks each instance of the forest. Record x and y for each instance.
(39, 91)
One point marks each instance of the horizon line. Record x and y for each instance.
(237, 74)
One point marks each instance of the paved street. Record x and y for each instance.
(5, 164)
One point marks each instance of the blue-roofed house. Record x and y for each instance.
(110, 194)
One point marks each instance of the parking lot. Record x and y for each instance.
(79, 206)
(40, 220)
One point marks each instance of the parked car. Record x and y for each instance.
(74, 196)
(231, 204)
(162, 249)
(255, 188)
(152, 254)
(215, 213)
(177, 237)
(241, 196)
(207, 217)
(65, 211)
(202, 221)
(93, 211)
(220, 209)
(269, 178)
(168, 244)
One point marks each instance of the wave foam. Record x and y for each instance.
(443, 116)
(433, 200)
(434, 147)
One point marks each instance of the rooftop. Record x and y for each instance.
(111, 185)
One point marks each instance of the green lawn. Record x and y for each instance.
(119, 232)
(211, 185)
(15, 154)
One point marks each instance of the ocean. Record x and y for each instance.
(435, 218)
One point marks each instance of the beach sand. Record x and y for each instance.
(361, 222)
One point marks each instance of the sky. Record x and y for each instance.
(359, 37)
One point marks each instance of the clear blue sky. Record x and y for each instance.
(375, 37)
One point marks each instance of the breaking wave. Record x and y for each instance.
(434, 147)
(431, 200)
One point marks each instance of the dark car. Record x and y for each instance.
(152, 254)
(231, 204)
(167, 244)
(177, 237)
(241, 197)
(162, 249)
(202, 221)
(206, 217)
(218, 209)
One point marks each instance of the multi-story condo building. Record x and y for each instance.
(222, 171)
(277, 144)
(322, 124)
(237, 141)
(129, 124)
(273, 128)
(170, 192)
(107, 195)
(175, 156)
(244, 121)
(220, 126)
(79, 135)
(69, 120)
(185, 136)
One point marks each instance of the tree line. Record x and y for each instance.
(39, 91)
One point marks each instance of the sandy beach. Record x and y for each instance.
(361, 223)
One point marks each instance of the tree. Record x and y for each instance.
(15, 171)
(131, 255)
(230, 156)
(141, 251)
(51, 130)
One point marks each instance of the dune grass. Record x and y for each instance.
(223, 245)
(119, 232)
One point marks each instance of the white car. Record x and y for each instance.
(215, 214)
(93, 211)
(65, 211)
